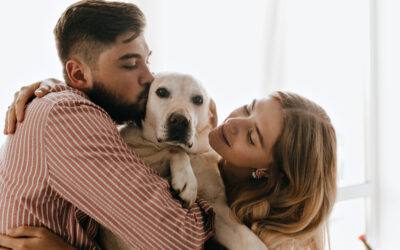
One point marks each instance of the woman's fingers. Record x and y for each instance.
(26, 237)
(16, 110)
(11, 119)
(45, 86)
(5, 122)
(38, 89)
(22, 98)
(19, 243)
(27, 231)
(8, 242)
(23, 237)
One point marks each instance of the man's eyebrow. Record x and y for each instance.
(129, 56)
(130, 39)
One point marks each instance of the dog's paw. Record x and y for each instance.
(185, 184)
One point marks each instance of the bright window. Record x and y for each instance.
(320, 49)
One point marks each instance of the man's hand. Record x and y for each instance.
(16, 111)
(25, 237)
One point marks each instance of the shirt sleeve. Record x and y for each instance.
(90, 166)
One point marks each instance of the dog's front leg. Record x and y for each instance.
(183, 179)
(231, 233)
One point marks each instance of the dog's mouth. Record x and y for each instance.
(179, 143)
(177, 131)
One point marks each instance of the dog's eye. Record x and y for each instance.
(198, 100)
(162, 92)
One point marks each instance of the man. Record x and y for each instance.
(66, 167)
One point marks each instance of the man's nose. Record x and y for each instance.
(147, 77)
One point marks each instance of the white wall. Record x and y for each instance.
(27, 47)
(388, 77)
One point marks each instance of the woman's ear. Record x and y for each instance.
(212, 114)
(79, 75)
(261, 173)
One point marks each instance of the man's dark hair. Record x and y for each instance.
(88, 27)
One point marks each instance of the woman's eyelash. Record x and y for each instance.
(249, 136)
(246, 110)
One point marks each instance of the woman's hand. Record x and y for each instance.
(25, 237)
(16, 110)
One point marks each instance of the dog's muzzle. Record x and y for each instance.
(178, 128)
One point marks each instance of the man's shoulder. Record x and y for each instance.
(64, 102)
(63, 96)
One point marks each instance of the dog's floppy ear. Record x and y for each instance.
(212, 114)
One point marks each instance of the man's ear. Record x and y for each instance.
(79, 74)
(212, 114)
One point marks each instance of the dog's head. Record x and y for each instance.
(179, 112)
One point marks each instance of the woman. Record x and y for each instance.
(278, 162)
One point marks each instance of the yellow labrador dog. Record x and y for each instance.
(174, 141)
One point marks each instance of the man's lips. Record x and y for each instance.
(222, 135)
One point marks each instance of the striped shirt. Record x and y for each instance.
(67, 168)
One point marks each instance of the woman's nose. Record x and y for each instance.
(233, 125)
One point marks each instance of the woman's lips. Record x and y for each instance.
(222, 135)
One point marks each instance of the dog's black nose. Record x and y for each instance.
(178, 122)
(178, 128)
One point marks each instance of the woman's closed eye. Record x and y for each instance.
(249, 138)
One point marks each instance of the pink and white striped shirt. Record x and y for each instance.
(67, 168)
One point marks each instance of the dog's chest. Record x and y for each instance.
(209, 181)
(156, 157)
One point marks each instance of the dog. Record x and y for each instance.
(173, 139)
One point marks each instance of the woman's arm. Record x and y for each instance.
(16, 110)
(25, 237)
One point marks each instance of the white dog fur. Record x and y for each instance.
(189, 160)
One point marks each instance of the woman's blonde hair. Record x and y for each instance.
(289, 210)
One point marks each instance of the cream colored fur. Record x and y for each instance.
(192, 166)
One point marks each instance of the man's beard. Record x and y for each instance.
(120, 111)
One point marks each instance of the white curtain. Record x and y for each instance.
(275, 47)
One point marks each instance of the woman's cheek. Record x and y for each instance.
(216, 143)
(212, 138)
